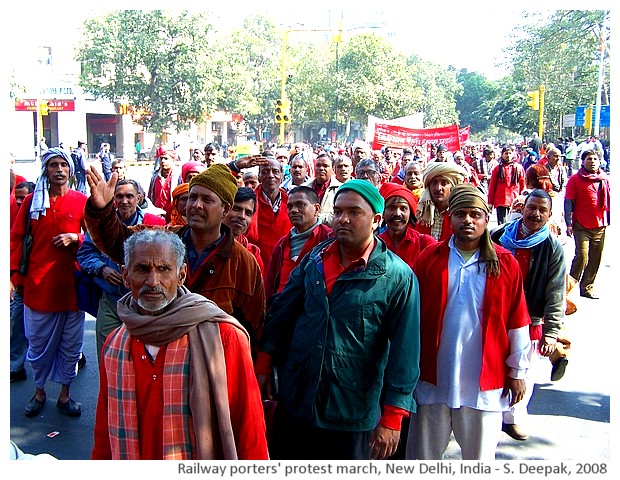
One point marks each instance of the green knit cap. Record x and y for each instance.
(367, 190)
(219, 180)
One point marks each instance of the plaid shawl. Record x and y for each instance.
(196, 415)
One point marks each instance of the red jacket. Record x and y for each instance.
(273, 276)
(268, 227)
(503, 309)
(49, 285)
(253, 249)
(410, 246)
(502, 194)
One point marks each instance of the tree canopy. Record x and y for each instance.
(176, 69)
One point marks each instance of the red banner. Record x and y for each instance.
(399, 137)
(464, 134)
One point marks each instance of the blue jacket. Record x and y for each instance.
(341, 357)
(92, 261)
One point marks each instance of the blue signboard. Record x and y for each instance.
(580, 116)
(604, 118)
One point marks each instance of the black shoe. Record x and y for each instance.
(515, 432)
(590, 294)
(558, 369)
(81, 361)
(34, 406)
(70, 407)
(19, 375)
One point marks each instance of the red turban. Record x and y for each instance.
(389, 190)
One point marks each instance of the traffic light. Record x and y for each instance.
(283, 111)
(534, 101)
(44, 107)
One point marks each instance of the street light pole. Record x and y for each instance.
(283, 80)
(337, 39)
(599, 90)
(283, 75)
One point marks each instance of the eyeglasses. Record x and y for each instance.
(366, 174)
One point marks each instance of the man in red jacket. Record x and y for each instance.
(399, 216)
(587, 214)
(271, 221)
(474, 336)
(177, 380)
(308, 231)
(506, 184)
(54, 326)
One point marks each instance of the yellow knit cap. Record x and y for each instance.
(219, 180)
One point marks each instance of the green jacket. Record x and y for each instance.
(341, 357)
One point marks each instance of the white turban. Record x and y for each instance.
(452, 172)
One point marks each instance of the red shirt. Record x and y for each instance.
(248, 424)
(320, 189)
(49, 285)
(584, 194)
(502, 194)
(332, 264)
(410, 245)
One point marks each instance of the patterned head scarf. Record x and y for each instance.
(40, 196)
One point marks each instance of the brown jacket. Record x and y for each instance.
(230, 276)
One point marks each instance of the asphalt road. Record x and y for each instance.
(569, 419)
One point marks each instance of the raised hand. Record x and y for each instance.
(101, 192)
(251, 161)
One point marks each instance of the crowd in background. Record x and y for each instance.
(256, 230)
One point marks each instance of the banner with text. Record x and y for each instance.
(399, 137)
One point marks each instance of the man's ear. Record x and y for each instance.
(376, 221)
(125, 275)
(182, 275)
(227, 207)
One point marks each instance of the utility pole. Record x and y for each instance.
(601, 70)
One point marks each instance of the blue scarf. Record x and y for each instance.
(509, 238)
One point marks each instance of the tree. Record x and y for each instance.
(375, 79)
(476, 92)
(247, 75)
(160, 65)
(560, 51)
(438, 88)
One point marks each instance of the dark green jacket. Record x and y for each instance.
(341, 357)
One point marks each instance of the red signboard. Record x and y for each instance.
(30, 105)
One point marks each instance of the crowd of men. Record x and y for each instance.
(327, 303)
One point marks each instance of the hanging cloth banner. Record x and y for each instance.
(399, 137)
